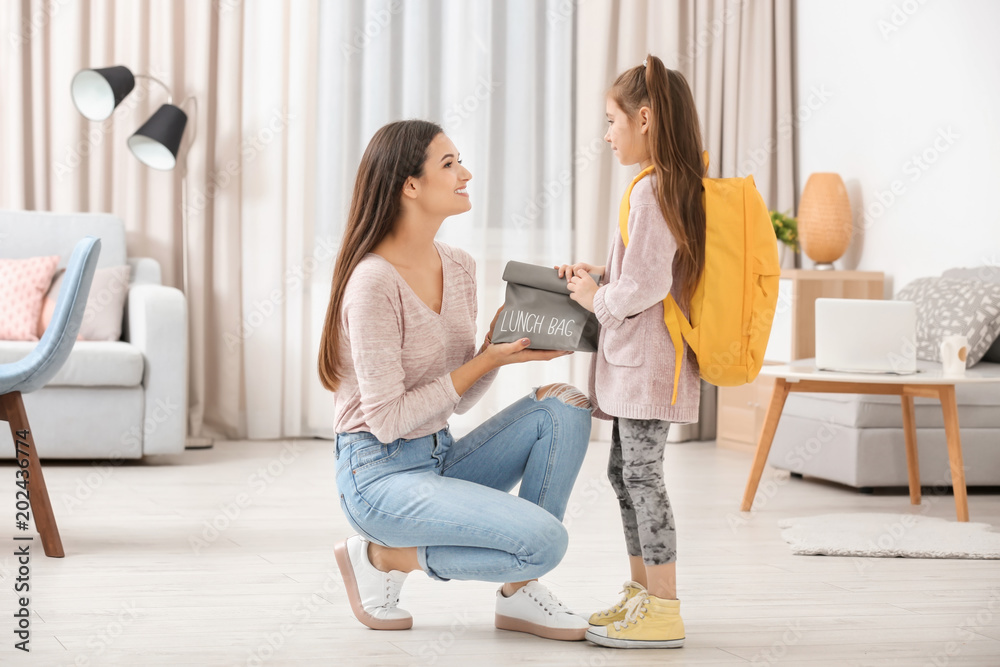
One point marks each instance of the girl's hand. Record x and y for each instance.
(582, 289)
(502, 354)
(569, 270)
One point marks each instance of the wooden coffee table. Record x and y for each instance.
(930, 382)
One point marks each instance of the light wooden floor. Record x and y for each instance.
(136, 588)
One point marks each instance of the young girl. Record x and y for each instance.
(653, 124)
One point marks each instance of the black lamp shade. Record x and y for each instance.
(96, 92)
(155, 144)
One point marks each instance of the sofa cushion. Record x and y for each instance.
(978, 407)
(22, 289)
(102, 318)
(90, 364)
(877, 411)
(946, 307)
(986, 274)
(98, 423)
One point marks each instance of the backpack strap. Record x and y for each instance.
(672, 314)
(623, 210)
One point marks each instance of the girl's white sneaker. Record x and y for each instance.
(535, 610)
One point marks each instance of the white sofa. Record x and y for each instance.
(111, 400)
(857, 439)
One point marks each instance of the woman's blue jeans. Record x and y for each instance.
(449, 498)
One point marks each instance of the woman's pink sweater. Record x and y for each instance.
(398, 354)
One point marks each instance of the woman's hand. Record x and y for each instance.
(502, 354)
(493, 323)
(488, 338)
(494, 355)
(567, 271)
(582, 289)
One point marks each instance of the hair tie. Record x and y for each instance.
(643, 62)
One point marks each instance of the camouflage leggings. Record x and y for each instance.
(635, 468)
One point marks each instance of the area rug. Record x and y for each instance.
(889, 536)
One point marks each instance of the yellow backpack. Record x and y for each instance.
(733, 305)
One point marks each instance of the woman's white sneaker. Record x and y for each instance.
(373, 594)
(535, 610)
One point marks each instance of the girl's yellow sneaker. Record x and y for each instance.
(616, 613)
(649, 622)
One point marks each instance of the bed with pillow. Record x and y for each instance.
(122, 394)
(857, 439)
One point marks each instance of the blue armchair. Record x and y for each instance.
(33, 372)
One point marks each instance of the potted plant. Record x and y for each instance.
(786, 229)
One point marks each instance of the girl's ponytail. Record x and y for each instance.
(676, 151)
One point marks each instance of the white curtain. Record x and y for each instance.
(283, 298)
(249, 153)
(497, 76)
(737, 58)
(289, 94)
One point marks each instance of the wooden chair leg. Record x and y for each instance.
(912, 461)
(12, 408)
(774, 408)
(954, 436)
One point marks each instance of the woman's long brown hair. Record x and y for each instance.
(676, 150)
(396, 152)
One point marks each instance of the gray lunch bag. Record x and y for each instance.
(537, 306)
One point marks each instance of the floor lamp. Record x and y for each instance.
(96, 93)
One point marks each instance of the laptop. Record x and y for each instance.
(866, 336)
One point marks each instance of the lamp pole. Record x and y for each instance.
(157, 144)
(192, 442)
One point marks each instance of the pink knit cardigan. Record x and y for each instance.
(632, 372)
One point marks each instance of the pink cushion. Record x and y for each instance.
(23, 283)
(102, 320)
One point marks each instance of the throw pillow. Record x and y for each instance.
(987, 274)
(945, 307)
(22, 287)
(102, 319)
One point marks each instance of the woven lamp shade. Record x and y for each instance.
(825, 222)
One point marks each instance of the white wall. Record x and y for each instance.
(905, 94)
